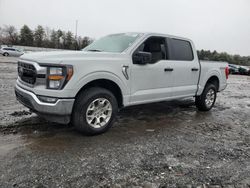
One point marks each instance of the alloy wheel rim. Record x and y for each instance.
(99, 112)
(210, 97)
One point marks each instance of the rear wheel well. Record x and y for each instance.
(106, 84)
(215, 81)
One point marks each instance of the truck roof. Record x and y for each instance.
(154, 34)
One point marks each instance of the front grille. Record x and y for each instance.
(27, 72)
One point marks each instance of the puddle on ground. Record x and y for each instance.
(9, 143)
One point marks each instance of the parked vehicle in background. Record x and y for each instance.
(244, 70)
(233, 69)
(9, 51)
(88, 87)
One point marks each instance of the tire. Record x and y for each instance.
(200, 101)
(5, 54)
(90, 102)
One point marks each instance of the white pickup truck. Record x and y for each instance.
(88, 87)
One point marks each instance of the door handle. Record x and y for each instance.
(194, 69)
(168, 69)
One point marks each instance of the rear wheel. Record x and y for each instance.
(94, 111)
(5, 54)
(206, 100)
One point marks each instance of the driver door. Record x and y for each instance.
(152, 82)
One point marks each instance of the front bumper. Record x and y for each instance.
(59, 111)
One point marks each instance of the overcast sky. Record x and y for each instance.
(223, 25)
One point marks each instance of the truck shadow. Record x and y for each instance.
(146, 112)
(132, 123)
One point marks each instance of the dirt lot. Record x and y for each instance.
(168, 144)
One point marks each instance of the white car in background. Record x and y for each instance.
(9, 51)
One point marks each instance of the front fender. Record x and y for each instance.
(102, 75)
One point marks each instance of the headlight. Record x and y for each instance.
(57, 77)
(56, 71)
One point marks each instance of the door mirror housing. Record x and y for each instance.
(142, 58)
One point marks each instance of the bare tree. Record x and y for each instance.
(11, 34)
(47, 39)
(1, 36)
(86, 41)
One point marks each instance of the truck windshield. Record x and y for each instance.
(113, 43)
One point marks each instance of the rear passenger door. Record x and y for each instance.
(185, 67)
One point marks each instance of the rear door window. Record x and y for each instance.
(181, 50)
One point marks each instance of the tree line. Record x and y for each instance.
(50, 38)
(42, 37)
(231, 59)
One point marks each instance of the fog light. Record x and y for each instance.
(47, 99)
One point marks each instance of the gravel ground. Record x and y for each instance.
(168, 144)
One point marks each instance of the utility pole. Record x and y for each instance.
(76, 34)
(76, 29)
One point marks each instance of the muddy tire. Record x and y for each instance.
(5, 54)
(206, 100)
(94, 111)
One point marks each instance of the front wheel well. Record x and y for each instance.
(215, 81)
(106, 84)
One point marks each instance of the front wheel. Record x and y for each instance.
(5, 54)
(206, 100)
(94, 111)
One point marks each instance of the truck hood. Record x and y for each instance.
(58, 57)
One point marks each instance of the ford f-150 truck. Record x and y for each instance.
(88, 87)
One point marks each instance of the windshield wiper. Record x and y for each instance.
(95, 50)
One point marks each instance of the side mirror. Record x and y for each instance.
(142, 58)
